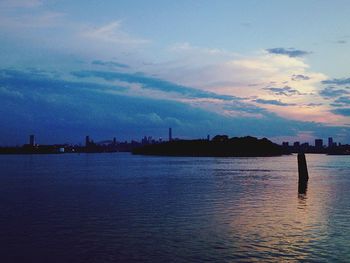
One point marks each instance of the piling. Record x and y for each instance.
(303, 173)
(302, 168)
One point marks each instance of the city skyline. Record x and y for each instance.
(128, 69)
(219, 145)
(149, 139)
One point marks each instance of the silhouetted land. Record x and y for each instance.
(220, 145)
(64, 148)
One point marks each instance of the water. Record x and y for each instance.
(125, 208)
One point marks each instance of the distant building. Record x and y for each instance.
(220, 138)
(285, 144)
(305, 145)
(330, 142)
(208, 137)
(147, 140)
(296, 144)
(170, 135)
(144, 140)
(87, 141)
(318, 143)
(32, 140)
(114, 141)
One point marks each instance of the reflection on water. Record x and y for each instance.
(302, 189)
(302, 195)
(124, 208)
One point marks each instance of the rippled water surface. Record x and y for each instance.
(125, 208)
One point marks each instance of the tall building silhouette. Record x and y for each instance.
(32, 140)
(87, 141)
(330, 142)
(318, 143)
(285, 144)
(170, 135)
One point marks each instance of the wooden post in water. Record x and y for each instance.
(302, 168)
(303, 174)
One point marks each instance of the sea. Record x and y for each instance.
(119, 207)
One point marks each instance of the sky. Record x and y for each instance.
(126, 69)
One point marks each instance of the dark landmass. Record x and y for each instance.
(67, 148)
(340, 150)
(28, 149)
(220, 146)
(334, 149)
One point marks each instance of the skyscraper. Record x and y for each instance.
(318, 143)
(170, 135)
(296, 144)
(330, 142)
(32, 140)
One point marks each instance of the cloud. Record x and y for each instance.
(300, 77)
(58, 110)
(31, 20)
(153, 84)
(234, 75)
(188, 48)
(290, 52)
(342, 111)
(313, 104)
(25, 81)
(332, 92)
(343, 81)
(113, 33)
(197, 72)
(342, 41)
(344, 100)
(53, 108)
(109, 64)
(20, 3)
(336, 104)
(273, 102)
(5, 91)
(285, 91)
(248, 109)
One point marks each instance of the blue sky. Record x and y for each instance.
(132, 68)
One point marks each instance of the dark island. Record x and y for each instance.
(220, 146)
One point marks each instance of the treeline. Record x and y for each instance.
(220, 145)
